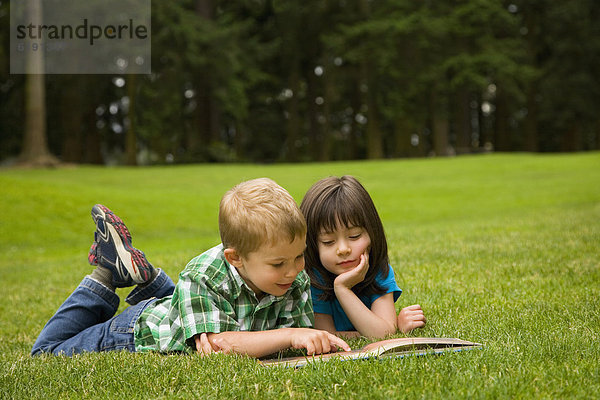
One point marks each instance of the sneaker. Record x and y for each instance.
(92, 255)
(112, 249)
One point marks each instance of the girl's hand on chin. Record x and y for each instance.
(356, 275)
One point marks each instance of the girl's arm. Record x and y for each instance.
(377, 322)
(325, 322)
(411, 317)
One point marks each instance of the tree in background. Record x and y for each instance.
(271, 80)
(35, 149)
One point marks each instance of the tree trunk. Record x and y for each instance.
(238, 140)
(571, 139)
(462, 119)
(315, 133)
(530, 126)
(532, 23)
(294, 122)
(130, 135)
(351, 150)
(205, 129)
(35, 144)
(71, 112)
(598, 134)
(374, 137)
(373, 132)
(325, 140)
(439, 123)
(205, 9)
(93, 139)
(402, 137)
(502, 139)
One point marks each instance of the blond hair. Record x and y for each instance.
(258, 212)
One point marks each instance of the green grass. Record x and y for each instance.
(499, 249)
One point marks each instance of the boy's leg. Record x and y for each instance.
(83, 322)
(88, 306)
(161, 286)
(115, 256)
(112, 249)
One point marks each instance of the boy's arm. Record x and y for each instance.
(293, 320)
(292, 331)
(262, 343)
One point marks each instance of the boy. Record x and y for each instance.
(249, 295)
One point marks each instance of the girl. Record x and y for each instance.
(352, 284)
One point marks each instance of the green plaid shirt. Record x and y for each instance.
(211, 296)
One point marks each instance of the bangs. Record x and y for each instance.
(339, 209)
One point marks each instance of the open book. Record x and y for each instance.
(400, 347)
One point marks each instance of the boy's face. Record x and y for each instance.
(272, 268)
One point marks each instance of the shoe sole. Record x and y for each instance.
(127, 254)
(123, 254)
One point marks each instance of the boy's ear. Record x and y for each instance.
(233, 257)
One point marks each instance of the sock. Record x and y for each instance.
(104, 276)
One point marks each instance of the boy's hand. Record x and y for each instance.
(356, 275)
(206, 346)
(410, 318)
(316, 341)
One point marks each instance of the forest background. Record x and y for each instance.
(283, 81)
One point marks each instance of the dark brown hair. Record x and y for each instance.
(332, 201)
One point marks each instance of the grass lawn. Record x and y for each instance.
(499, 249)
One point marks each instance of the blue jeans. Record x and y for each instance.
(85, 322)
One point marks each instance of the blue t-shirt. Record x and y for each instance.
(334, 308)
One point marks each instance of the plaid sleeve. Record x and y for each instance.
(298, 309)
(202, 306)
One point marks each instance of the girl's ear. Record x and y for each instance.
(233, 258)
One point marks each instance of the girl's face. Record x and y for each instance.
(340, 250)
